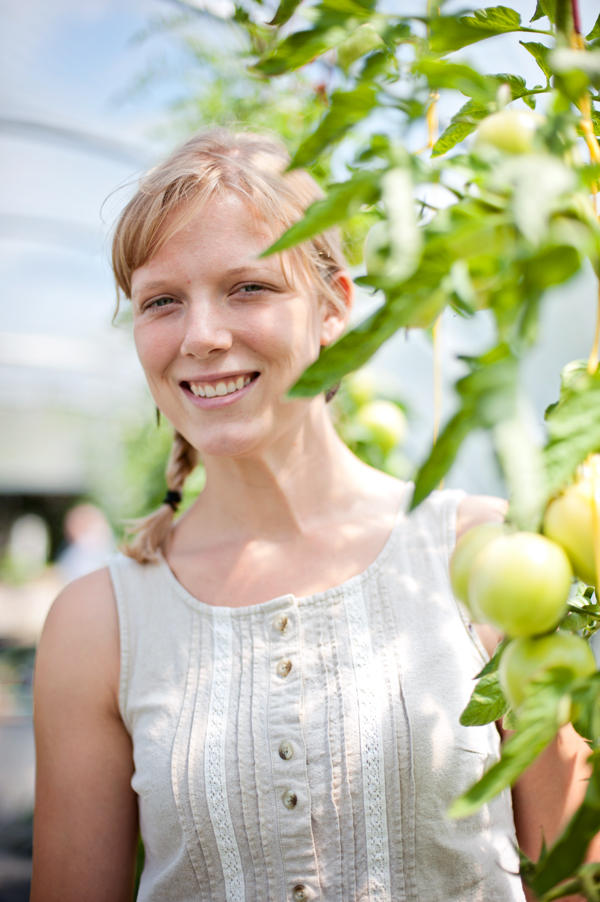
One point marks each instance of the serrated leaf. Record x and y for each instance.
(450, 33)
(461, 125)
(494, 661)
(568, 852)
(573, 430)
(540, 718)
(540, 54)
(487, 703)
(545, 8)
(442, 74)
(595, 32)
(343, 200)
(488, 396)
(347, 108)
(509, 721)
(300, 48)
(347, 355)
(285, 11)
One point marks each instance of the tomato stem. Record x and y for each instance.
(576, 17)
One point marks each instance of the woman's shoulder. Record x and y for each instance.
(80, 639)
(475, 509)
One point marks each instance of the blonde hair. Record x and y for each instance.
(209, 165)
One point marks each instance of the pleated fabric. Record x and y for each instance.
(308, 748)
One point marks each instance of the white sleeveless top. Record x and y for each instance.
(308, 748)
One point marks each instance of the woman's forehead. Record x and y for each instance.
(226, 234)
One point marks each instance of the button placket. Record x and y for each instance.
(289, 759)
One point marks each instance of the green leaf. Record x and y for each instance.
(347, 108)
(347, 355)
(343, 200)
(568, 852)
(545, 8)
(449, 33)
(540, 718)
(551, 266)
(595, 32)
(488, 397)
(573, 430)
(461, 125)
(492, 664)
(364, 40)
(586, 708)
(442, 74)
(487, 703)
(285, 11)
(540, 54)
(300, 48)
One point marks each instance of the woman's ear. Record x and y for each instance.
(336, 316)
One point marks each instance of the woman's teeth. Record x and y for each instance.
(210, 390)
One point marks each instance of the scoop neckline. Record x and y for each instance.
(289, 598)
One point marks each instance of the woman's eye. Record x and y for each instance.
(252, 288)
(159, 302)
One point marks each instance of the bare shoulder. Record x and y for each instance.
(476, 509)
(80, 639)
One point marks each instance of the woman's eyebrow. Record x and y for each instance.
(149, 286)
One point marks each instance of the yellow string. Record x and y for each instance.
(592, 366)
(595, 515)
(437, 377)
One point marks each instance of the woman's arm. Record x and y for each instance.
(550, 791)
(85, 823)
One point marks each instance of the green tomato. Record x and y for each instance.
(525, 658)
(385, 422)
(521, 583)
(361, 386)
(569, 520)
(509, 130)
(467, 548)
(362, 41)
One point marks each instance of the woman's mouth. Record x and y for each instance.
(217, 390)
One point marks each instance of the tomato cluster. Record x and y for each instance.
(520, 582)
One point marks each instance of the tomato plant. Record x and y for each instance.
(487, 223)
(526, 658)
(465, 554)
(521, 583)
(510, 130)
(570, 520)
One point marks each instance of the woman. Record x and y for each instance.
(269, 687)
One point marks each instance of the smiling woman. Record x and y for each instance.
(186, 251)
(268, 688)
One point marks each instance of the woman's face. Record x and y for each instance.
(222, 336)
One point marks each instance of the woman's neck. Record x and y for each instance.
(282, 491)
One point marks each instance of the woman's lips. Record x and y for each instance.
(220, 393)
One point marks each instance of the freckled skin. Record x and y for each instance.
(215, 324)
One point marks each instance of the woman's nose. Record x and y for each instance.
(206, 330)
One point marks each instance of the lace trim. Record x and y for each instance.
(214, 759)
(369, 690)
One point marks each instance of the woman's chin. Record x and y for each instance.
(234, 442)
